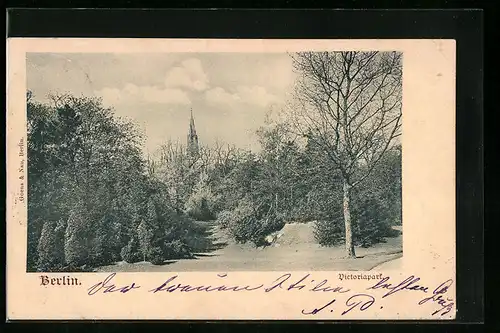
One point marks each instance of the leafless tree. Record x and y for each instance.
(349, 105)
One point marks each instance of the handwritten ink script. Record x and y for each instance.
(344, 300)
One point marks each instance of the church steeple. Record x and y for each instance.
(192, 137)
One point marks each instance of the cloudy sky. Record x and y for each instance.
(230, 93)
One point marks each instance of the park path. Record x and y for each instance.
(390, 265)
(297, 253)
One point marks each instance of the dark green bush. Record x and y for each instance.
(131, 252)
(156, 256)
(51, 247)
(371, 223)
(252, 224)
(199, 209)
(224, 218)
(201, 203)
(76, 239)
(176, 249)
(329, 232)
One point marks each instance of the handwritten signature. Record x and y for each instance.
(410, 284)
(364, 301)
(438, 296)
(286, 282)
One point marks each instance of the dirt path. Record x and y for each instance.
(390, 265)
(293, 257)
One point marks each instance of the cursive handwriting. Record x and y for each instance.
(361, 301)
(282, 282)
(439, 298)
(288, 283)
(168, 287)
(107, 287)
(410, 283)
(302, 283)
(316, 310)
(356, 300)
(407, 284)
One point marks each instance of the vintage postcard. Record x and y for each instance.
(230, 179)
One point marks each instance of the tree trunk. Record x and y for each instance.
(349, 244)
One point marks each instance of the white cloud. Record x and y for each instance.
(220, 96)
(255, 95)
(137, 94)
(189, 75)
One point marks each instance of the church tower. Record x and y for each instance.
(192, 138)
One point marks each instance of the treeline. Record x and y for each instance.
(254, 194)
(90, 200)
(95, 200)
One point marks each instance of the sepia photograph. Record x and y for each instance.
(214, 161)
(315, 178)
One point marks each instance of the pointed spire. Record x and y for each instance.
(192, 128)
(192, 138)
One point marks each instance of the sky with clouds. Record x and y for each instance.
(230, 93)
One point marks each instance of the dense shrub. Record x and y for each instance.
(200, 206)
(131, 252)
(329, 232)
(156, 256)
(76, 239)
(145, 235)
(224, 218)
(202, 202)
(51, 247)
(176, 249)
(100, 250)
(371, 222)
(252, 224)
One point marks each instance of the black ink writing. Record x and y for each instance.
(407, 284)
(364, 301)
(107, 287)
(438, 296)
(282, 283)
(316, 310)
(168, 287)
(321, 287)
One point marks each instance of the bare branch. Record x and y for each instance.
(349, 105)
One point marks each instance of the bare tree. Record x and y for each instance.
(349, 105)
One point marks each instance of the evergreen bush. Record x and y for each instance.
(371, 222)
(201, 203)
(251, 223)
(130, 253)
(224, 218)
(51, 247)
(329, 232)
(156, 256)
(176, 249)
(76, 239)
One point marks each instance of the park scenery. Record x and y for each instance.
(214, 162)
